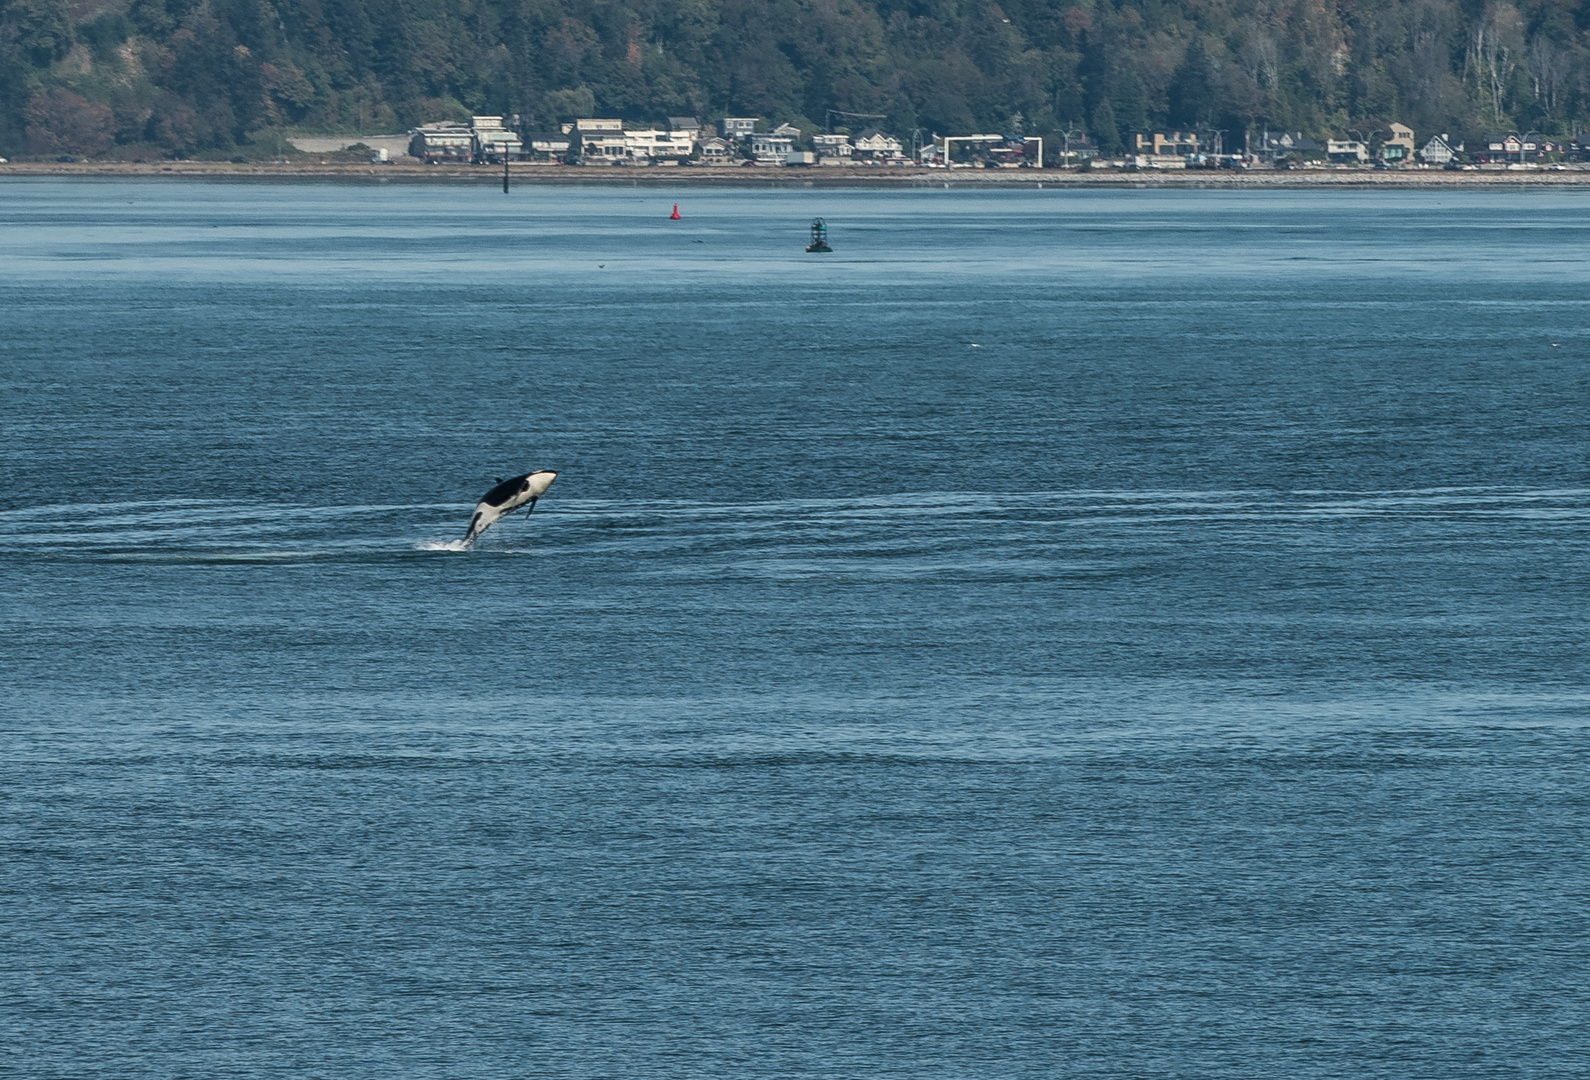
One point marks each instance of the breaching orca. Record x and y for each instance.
(506, 497)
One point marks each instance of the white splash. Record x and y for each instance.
(442, 545)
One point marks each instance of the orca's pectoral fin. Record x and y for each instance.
(470, 532)
(531, 505)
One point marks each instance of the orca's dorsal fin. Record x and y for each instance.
(499, 479)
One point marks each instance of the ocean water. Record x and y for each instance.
(1112, 634)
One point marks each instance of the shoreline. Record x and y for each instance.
(795, 177)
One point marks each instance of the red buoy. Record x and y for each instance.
(675, 215)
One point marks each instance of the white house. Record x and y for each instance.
(593, 141)
(1440, 150)
(832, 146)
(716, 151)
(650, 145)
(1346, 151)
(771, 149)
(877, 146)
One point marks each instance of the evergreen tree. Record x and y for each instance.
(1192, 92)
(1105, 131)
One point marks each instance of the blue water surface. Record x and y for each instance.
(1112, 634)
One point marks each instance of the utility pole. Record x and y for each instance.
(1066, 135)
(1369, 142)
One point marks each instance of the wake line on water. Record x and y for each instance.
(184, 530)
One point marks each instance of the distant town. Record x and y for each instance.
(742, 141)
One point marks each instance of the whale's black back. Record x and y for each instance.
(504, 491)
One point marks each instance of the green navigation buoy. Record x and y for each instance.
(819, 236)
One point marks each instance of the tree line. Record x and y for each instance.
(221, 77)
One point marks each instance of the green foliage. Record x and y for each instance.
(40, 29)
(562, 105)
(1106, 130)
(187, 77)
(104, 34)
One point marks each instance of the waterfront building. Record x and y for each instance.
(1165, 144)
(494, 142)
(597, 141)
(442, 142)
(648, 145)
(1399, 146)
(1346, 151)
(1275, 145)
(1510, 148)
(770, 148)
(716, 151)
(546, 146)
(1440, 150)
(832, 147)
(875, 145)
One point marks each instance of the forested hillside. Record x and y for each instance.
(189, 77)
